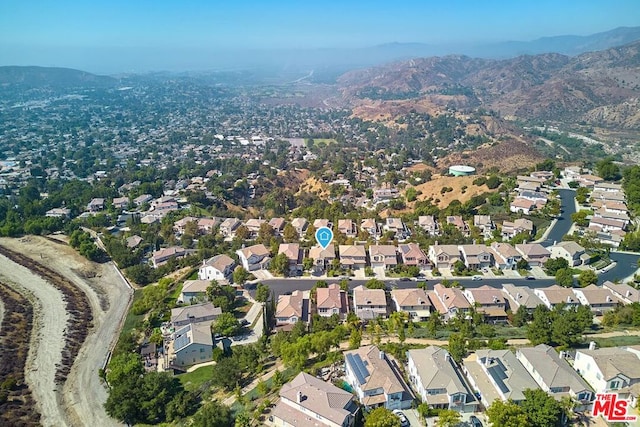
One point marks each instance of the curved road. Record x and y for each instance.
(626, 263)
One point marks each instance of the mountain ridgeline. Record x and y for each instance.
(597, 88)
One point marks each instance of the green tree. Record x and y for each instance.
(541, 409)
(213, 414)
(457, 347)
(226, 374)
(554, 264)
(374, 284)
(580, 218)
(381, 417)
(226, 325)
(521, 317)
(587, 277)
(564, 277)
(539, 330)
(608, 170)
(289, 233)
(279, 265)
(448, 418)
(240, 275)
(262, 292)
(506, 414)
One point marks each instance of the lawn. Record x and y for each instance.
(193, 380)
(132, 321)
(326, 141)
(617, 341)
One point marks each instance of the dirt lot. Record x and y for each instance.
(431, 189)
(80, 400)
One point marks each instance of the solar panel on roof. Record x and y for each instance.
(359, 369)
(497, 372)
(182, 338)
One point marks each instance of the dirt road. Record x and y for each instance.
(80, 402)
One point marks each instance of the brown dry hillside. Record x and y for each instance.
(508, 156)
(432, 189)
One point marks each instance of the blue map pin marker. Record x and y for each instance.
(324, 236)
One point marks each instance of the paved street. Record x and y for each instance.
(562, 226)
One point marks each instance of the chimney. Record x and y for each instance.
(609, 299)
(381, 355)
(518, 296)
(628, 294)
(299, 397)
(592, 345)
(569, 300)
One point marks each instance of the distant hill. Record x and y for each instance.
(51, 77)
(600, 88)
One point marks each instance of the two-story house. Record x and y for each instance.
(485, 225)
(396, 226)
(555, 295)
(520, 225)
(475, 257)
(521, 296)
(448, 301)
(278, 225)
(294, 255)
(444, 256)
(571, 251)
(489, 301)
(438, 380)
(608, 370)
(292, 308)
(627, 294)
(309, 401)
(534, 253)
(383, 256)
(229, 226)
(369, 225)
(254, 257)
(322, 257)
(600, 299)
(412, 255)
(300, 225)
(347, 227)
(429, 224)
(369, 303)
(553, 374)
(459, 223)
(193, 290)
(414, 302)
(353, 257)
(375, 380)
(219, 267)
(331, 300)
(505, 256)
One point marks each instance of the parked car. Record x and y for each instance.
(475, 422)
(476, 278)
(530, 278)
(403, 418)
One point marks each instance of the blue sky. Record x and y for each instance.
(33, 29)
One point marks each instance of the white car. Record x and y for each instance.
(403, 419)
(476, 278)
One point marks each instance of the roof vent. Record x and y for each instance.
(299, 397)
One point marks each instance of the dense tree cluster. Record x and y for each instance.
(562, 326)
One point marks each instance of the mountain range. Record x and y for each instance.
(599, 88)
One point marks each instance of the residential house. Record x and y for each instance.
(369, 303)
(505, 256)
(608, 187)
(439, 381)
(498, 374)
(571, 251)
(599, 299)
(347, 227)
(193, 290)
(142, 199)
(415, 302)
(398, 227)
(459, 223)
(372, 227)
(309, 401)
(475, 257)
(292, 308)
(191, 344)
(59, 213)
(301, 225)
(294, 255)
(608, 196)
(254, 257)
(96, 205)
(553, 374)
(589, 181)
(219, 267)
(609, 214)
(375, 380)
(524, 206)
(429, 224)
(488, 301)
(572, 172)
(322, 257)
(412, 255)
(322, 222)
(534, 253)
(134, 241)
(383, 256)
(353, 257)
(253, 225)
(207, 225)
(229, 226)
(555, 295)
(444, 256)
(448, 301)
(534, 196)
(511, 228)
(607, 370)
(278, 225)
(521, 296)
(485, 225)
(384, 194)
(332, 300)
(606, 224)
(120, 202)
(627, 294)
(204, 312)
(180, 225)
(163, 255)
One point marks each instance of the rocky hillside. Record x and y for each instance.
(50, 77)
(600, 88)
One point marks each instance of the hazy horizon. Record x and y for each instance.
(123, 36)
